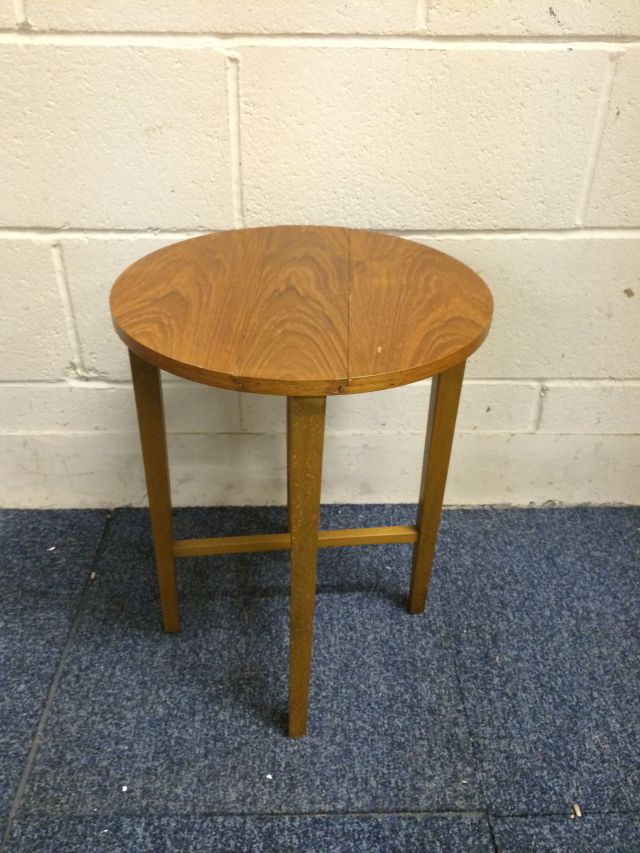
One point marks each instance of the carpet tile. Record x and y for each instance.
(326, 833)
(46, 558)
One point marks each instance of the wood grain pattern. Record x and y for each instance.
(443, 410)
(282, 541)
(414, 312)
(177, 307)
(301, 310)
(148, 392)
(296, 325)
(306, 439)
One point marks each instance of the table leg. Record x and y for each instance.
(289, 465)
(305, 433)
(148, 391)
(443, 408)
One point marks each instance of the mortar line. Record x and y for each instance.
(337, 434)
(572, 232)
(67, 307)
(560, 382)
(422, 15)
(596, 138)
(537, 415)
(20, 11)
(278, 434)
(233, 110)
(44, 233)
(53, 688)
(225, 41)
(349, 348)
(591, 383)
(240, 411)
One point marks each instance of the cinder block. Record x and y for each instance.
(88, 407)
(535, 469)
(397, 410)
(524, 18)
(498, 406)
(7, 15)
(484, 407)
(487, 469)
(268, 16)
(591, 407)
(105, 469)
(114, 137)
(614, 197)
(92, 266)
(417, 139)
(563, 307)
(34, 343)
(47, 471)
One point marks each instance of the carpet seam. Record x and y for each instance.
(445, 815)
(567, 814)
(449, 814)
(476, 760)
(53, 687)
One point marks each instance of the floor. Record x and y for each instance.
(507, 717)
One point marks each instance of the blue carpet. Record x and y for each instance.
(514, 695)
(317, 834)
(589, 834)
(171, 717)
(46, 557)
(544, 608)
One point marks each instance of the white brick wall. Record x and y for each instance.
(532, 18)
(89, 127)
(458, 154)
(504, 133)
(619, 153)
(7, 14)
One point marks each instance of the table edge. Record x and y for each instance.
(302, 388)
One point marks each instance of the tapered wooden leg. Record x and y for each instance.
(148, 391)
(289, 466)
(443, 408)
(305, 421)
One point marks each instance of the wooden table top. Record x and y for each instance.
(301, 310)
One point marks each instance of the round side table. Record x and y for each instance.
(300, 311)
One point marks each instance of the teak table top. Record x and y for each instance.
(301, 310)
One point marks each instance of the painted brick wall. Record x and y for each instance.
(505, 132)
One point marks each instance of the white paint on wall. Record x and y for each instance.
(105, 469)
(533, 18)
(502, 133)
(456, 154)
(114, 137)
(267, 16)
(33, 342)
(613, 198)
